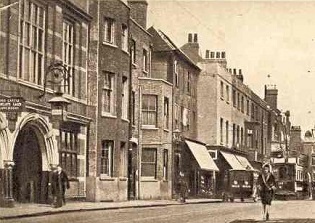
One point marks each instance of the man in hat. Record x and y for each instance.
(59, 185)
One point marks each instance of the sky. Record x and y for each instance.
(263, 38)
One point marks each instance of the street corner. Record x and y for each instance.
(276, 221)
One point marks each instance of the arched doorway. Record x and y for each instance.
(27, 172)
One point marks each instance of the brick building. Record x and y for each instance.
(109, 75)
(39, 41)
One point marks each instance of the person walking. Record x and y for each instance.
(60, 183)
(266, 185)
(182, 187)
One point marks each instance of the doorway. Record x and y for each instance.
(27, 172)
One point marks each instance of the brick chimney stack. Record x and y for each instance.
(191, 48)
(138, 11)
(271, 95)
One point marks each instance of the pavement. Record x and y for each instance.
(306, 220)
(31, 210)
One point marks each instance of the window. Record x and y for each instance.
(242, 136)
(221, 90)
(247, 107)
(109, 31)
(123, 160)
(166, 113)
(221, 130)
(176, 73)
(165, 164)
(234, 129)
(234, 97)
(238, 101)
(176, 115)
(133, 51)
(124, 98)
(145, 61)
(68, 154)
(242, 103)
(107, 157)
(32, 40)
(227, 132)
(148, 162)
(238, 135)
(253, 110)
(313, 160)
(188, 82)
(149, 110)
(68, 56)
(227, 92)
(185, 118)
(108, 94)
(133, 112)
(124, 37)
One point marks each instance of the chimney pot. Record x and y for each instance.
(207, 54)
(240, 71)
(234, 71)
(190, 38)
(195, 38)
(223, 55)
(212, 54)
(218, 55)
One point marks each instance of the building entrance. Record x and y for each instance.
(27, 172)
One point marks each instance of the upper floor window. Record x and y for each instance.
(166, 113)
(108, 93)
(133, 51)
(234, 97)
(68, 55)
(149, 110)
(227, 92)
(247, 107)
(165, 164)
(188, 82)
(32, 40)
(242, 103)
(109, 30)
(124, 37)
(107, 157)
(221, 90)
(176, 73)
(124, 98)
(145, 61)
(221, 130)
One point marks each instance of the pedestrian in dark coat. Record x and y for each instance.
(182, 184)
(266, 186)
(59, 185)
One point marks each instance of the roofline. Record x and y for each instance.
(143, 29)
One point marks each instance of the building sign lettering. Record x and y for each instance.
(15, 104)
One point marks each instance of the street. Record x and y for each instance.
(196, 213)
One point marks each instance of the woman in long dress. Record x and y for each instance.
(266, 186)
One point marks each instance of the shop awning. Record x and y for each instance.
(232, 161)
(202, 156)
(244, 162)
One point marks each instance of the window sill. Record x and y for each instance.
(148, 179)
(166, 130)
(125, 120)
(134, 65)
(73, 179)
(125, 51)
(104, 177)
(146, 73)
(149, 127)
(107, 115)
(228, 102)
(110, 44)
(222, 98)
(123, 179)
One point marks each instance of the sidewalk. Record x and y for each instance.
(30, 210)
(306, 220)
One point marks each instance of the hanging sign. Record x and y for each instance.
(13, 104)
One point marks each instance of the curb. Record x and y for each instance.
(99, 209)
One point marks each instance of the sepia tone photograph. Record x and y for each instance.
(195, 111)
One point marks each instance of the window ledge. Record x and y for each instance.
(221, 98)
(125, 120)
(134, 65)
(126, 51)
(166, 130)
(145, 72)
(104, 177)
(110, 44)
(123, 179)
(148, 180)
(107, 115)
(149, 127)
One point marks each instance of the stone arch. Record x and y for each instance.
(44, 132)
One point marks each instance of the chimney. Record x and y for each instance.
(190, 38)
(234, 71)
(207, 54)
(218, 55)
(240, 71)
(271, 95)
(138, 11)
(195, 38)
(223, 55)
(212, 54)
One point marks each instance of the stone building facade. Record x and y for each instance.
(37, 36)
